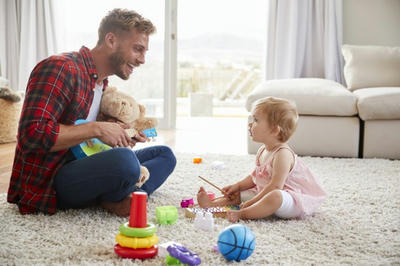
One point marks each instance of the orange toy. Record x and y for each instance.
(197, 160)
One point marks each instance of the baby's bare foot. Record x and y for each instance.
(202, 198)
(233, 215)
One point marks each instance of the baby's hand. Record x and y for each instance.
(229, 190)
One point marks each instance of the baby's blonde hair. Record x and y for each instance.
(279, 112)
(119, 20)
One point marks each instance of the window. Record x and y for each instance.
(220, 54)
(220, 51)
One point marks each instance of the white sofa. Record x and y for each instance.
(372, 73)
(336, 121)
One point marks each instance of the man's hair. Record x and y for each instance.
(279, 112)
(120, 20)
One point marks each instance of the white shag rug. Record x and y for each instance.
(358, 224)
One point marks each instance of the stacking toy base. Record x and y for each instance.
(139, 253)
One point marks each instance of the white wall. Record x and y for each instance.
(371, 22)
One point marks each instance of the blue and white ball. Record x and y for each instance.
(236, 242)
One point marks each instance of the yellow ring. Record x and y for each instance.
(136, 242)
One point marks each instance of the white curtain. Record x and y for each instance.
(27, 36)
(304, 39)
(9, 41)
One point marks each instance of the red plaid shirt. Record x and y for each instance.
(59, 91)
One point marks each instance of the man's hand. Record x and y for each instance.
(114, 134)
(111, 133)
(139, 137)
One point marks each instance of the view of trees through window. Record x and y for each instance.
(220, 51)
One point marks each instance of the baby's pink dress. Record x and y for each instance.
(300, 182)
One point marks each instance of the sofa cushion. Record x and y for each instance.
(371, 66)
(312, 96)
(378, 103)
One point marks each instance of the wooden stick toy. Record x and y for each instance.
(205, 180)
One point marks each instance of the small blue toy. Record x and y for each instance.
(236, 242)
(150, 132)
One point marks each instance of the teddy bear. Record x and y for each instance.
(117, 105)
(9, 95)
(10, 106)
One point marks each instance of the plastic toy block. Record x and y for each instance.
(204, 221)
(169, 260)
(197, 160)
(186, 203)
(166, 214)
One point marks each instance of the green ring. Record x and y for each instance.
(126, 230)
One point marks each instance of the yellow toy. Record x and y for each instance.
(197, 160)
(136, 242)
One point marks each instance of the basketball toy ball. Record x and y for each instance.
(236, 242)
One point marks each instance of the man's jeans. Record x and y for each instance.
(111, 175)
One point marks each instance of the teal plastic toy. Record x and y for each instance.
(166, 214)
(150, 132)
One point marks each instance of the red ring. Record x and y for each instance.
(136, 253)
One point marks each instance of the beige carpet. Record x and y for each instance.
(358, 224)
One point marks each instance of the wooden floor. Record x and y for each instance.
(6, 159)
(192, 135)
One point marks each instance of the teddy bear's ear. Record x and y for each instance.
(142, 110)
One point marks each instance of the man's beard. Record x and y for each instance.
(117, 60)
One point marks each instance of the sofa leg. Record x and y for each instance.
(361, 145)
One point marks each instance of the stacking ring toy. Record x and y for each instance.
(136, 242)
(139, 253)
(126, 230)
(183, 254)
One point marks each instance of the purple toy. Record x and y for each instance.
(183, 254)
(185, 203)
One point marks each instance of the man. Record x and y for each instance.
(67, 87)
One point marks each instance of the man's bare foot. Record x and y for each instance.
(202, 198)
(120, 208)
(233, 215)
